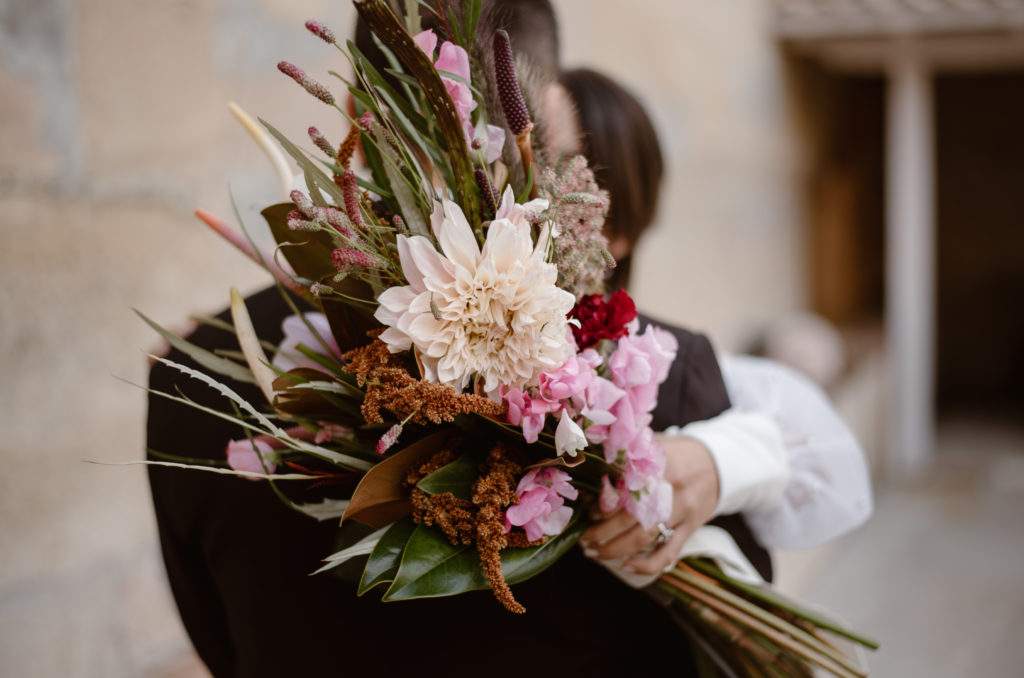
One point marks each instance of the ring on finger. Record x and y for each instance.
(664, 533)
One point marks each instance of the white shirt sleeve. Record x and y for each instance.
(785, 459)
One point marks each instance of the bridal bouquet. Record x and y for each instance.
(456, 361)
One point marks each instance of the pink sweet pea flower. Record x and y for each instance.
(243, 457)
(643, 359)
(296, 332)
(599, 399)
(541, 509)
(629, 422)
(645, 457)
(571, 379)
(652, 504)
(454, 59)
(526, 411)
(611, 495)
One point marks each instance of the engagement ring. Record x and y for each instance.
(665, 533)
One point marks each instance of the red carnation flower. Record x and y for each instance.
(600, 319)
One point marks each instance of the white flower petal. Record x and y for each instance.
(456, 238)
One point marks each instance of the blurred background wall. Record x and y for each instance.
(778, 123)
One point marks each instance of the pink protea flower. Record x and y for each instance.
(245, 454)
(541, 509)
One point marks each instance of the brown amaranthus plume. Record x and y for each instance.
(493, 492)
(480, 521)
(389, 386)
(346, 150)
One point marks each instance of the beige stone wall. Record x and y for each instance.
(113, 129)
(726, 253)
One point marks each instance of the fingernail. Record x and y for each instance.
(589, 552)
(629, 568)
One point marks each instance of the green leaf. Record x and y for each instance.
(316, 180)
(270, 429)
(383, 563)
(308, 252)
(326, 509)
(383, 23)
(472, 19)
(431, 567)
(363, 547)
(207, 359)
(456, 477)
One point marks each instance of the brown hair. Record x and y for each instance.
(619, 141)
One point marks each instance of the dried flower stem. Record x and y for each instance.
(776, 630)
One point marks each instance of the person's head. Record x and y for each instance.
(619, 142)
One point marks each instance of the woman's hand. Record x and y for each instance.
(694, 478)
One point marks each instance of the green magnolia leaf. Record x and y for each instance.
(383, 563)
(518, 565)
(312, 260)
(350, 321)
(431, 567)
(456, 477)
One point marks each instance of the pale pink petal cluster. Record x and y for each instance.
(528, 412)
(541, 509)
(245, 454)
(296, 332)
(454, 59)
(622, 408)
(493, 311)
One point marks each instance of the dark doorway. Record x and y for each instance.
(979, 122)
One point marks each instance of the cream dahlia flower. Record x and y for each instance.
(496, 312)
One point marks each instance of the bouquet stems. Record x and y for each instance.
(767, 636)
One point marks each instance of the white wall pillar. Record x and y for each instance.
(910, 261)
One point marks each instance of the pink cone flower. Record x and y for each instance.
(541, 509)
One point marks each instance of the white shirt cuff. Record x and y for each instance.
(748, 451)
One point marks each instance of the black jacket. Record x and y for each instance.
(238, 562)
